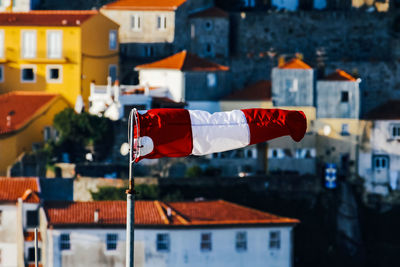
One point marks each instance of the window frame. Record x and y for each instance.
(294, 85)
(65, 244)
(212, 80)
(166, 242)
(345, 131)
(380, 157)
(111, 242)
(161, 22)
(274, 243)
(31, 254)
(34, 55)
(60, 73)
(34, 68)
(344, 96)
(392, 129)
(241, 245)
(136, 23)
(36, 212)
(48, 32)
(113, 45)
(206, 244)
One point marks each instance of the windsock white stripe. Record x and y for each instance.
(217, 132)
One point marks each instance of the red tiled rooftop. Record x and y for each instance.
(258, 91)
(340, 75)
(21, 107)
(13, 188)
(212, 12)
(145, 4)
(46, 17)
(295, 63)
(219, 212)
(184, 61)
(387, 111)
(30, 236)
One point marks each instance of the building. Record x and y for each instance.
(19, 5)
(379, 154)
(209, 33)
(26, 120)
(189, 78)
(57, 52)
(19, 215)
(202, 233)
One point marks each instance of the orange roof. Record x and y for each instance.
(46, 17)
(145, 4)
(184, 61)
(387, 111)
(210, 12)
(340, 75)
(13, 188)
(158, 213)
(18, 108)
(295, 63)
(258, 91)
(30, 236)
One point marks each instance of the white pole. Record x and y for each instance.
(130, 199)
(36, 248)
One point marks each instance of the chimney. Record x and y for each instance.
(96, 216)
(169, 213)
(281, 61)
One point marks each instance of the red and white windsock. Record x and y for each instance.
(180, 132)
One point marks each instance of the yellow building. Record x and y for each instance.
(57, 51)
(25, 119)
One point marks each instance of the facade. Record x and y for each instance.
(19, 209)
(202, 233)
(379, 155)
(209, 33)
(26, 119)
(187, 77)
(57, 52)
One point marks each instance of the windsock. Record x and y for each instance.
(179, 132)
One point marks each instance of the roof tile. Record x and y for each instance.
(21, 107)
(184, 61)
(340, 75)
(295, 63)
(145, 4)
(13, 188)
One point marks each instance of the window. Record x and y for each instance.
(1, 43)
(1, 73)
(211, 80)
(344, 97)
(291, 85)
(112, 240)
(112, 40)
(112, 72)
(65, 242)
(208, 25)
(31, 254)
(395, 131)
(32, 218)
(275, 240)
(241, 241)
(345, 129)
(208, 49)
(192, 31)
(381, 162)
(148, 51)
(28, 74)
(136, 24)
(54, 44)
(28, 44)
(161, 22)
(163, 242)
(47, 133)
(249, 3)
(54, 74)
(205, 243)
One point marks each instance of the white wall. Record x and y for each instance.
(88, 247)
(8, 235)
(172, 79)
(20, 5)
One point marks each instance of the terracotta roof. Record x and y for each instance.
(387, 111)
(13, 188)
(340, 75)
(30, 236)
(46, 17)
(210, 12)
(145, 4)
(258, 91)
(33, 265)
(20, 108)
(158, 213)
(184, 61)
(295, 63)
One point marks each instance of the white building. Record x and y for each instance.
(204, 233)
(379, 157)
(19, 209)
(18, 5)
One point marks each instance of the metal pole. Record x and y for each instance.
(130, 200)
(36, 248)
